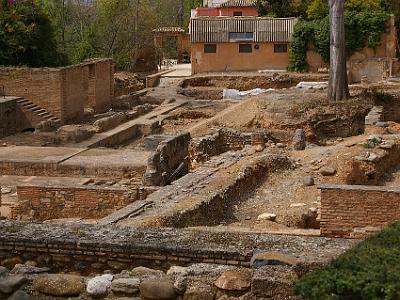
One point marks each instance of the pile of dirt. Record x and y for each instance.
(126, 83)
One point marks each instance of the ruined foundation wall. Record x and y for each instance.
(170, 158)
(63, 91)
(225, 139)
(52, 202)
(356, 210)
(41, 86)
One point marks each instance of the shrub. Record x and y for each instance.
(363, 28)
(318, 9)
(371, 270)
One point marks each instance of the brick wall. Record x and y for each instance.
(52, 202)
(356, 210)
(63, 91)
(8, 114)
(74, 95)
(100, 88)
(41, 86)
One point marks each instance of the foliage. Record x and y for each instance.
(282, 8)
(363, 28)
(319, 8)
(370, 271)
(26, 35)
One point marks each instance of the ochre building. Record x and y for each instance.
(240, 43)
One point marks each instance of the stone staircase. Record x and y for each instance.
(37, 114)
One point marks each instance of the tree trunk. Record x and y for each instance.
(338, 88)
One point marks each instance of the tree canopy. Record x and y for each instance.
(26, 35)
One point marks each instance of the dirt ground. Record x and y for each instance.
(330, 128)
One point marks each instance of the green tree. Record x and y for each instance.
(318, 9)
(26, 35)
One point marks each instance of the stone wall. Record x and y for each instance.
(62, 91)
(225, 139)
(169, 162)
(53, 202)
(85, 248)
(356, 210)
(8, 114)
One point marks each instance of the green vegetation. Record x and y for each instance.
(370, 271)
(363, 28)
(26, 35)
(283, 8)
(59, 32)
(319, 8)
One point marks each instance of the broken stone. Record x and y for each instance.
(4, 145)
(386, 146)
(272, 258)
(59, 284)
(199, 291)
(280, 145)
(160, 289)
(99, 285)
(273, 281)
(360, 158)
(5, 190)
(382, 124)
(177, 270)
(11, 283)
(267, 216)
(297, 204)
(373, 157)
(308, 180)
(260, 148)
(327, 171)
(234, 280)
(125, 285)
(20, 295)
(3, 271)
(299, 140)
(146, 273)
(20, 269)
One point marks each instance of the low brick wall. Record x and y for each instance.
(356, 210)
(53, 202)
(88, 248)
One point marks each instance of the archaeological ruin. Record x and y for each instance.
(187, 188)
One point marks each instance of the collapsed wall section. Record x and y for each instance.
(169, 162)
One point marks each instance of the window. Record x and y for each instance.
(237, 14)
(210, 48)
(240, 36)
(280, 48)
(245, 48)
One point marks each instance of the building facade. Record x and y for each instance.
(240, 44)
(230, 8)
